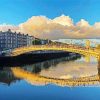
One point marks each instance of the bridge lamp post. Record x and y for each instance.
(87, 44)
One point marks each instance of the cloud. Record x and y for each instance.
(83, 23)
(5, 27)
(63, 20)
(59, 27)
(97, 25)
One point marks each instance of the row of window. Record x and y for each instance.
(13, 40)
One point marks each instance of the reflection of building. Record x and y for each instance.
(6, 76)
(10, 40)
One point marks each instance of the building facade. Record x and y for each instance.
(11, 40)
(45, 42)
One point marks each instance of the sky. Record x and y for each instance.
(16, 12)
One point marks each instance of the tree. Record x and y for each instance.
(36, 42)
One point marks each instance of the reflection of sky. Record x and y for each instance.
(88, 59)
(21, 90)
(79, 68)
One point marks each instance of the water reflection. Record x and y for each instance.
(6, 75)
(68, 71)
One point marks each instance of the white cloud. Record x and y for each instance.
(63, 20)
(97, 25)
(5, 27)
(59, 27)
(83, 23)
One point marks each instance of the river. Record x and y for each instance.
(52, 80)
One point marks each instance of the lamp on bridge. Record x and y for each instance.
(87, 44)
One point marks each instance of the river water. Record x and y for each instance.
(69, 78)
(46, 80)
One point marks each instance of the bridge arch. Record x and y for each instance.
(69, 48)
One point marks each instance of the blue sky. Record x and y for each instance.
(18, 11)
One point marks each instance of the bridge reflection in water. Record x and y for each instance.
(43, 80)
(35, 74)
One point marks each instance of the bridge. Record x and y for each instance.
(36, 78)
(42, 80)
(62, 47)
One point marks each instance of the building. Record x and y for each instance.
(45, 42)
(11, 40)
(30, 40)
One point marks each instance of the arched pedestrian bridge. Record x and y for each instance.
(62, 47)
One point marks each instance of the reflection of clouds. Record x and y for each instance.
(71, 69)
(36, 83)
(66, 77)
(84, 75)
(41, 80)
